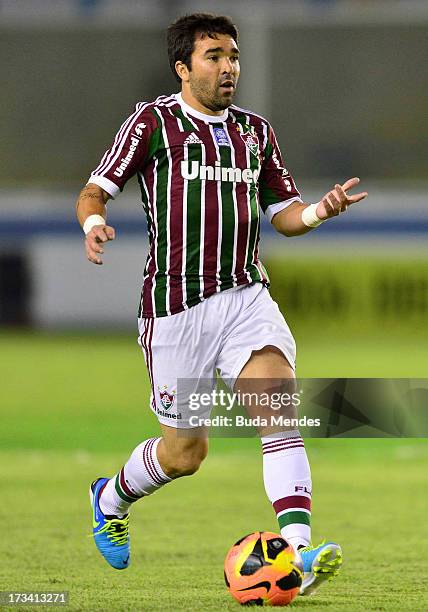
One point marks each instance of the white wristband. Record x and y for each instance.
(91, 221)
(310, 217)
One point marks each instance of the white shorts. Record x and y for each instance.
(219, 334)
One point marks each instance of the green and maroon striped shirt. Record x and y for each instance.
(203, 181)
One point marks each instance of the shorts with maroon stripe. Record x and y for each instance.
(217, 335)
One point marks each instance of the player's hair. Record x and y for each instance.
(181, 35)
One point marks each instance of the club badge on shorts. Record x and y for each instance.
(167, 399)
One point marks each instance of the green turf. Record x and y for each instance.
(71, 409)
(91, 391)
(368, 498)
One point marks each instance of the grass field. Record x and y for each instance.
(59, 430)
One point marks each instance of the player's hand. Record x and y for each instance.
(337, 201)
(94, 241)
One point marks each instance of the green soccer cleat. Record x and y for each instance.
(320, 563)
(111, 534)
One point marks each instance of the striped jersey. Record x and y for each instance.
(203, 181)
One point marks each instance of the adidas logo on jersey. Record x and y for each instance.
(192, 139)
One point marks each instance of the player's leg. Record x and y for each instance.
(261, 348)
(151, 465)
(171, 350)
(286, 471)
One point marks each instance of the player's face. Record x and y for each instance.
(215, 71)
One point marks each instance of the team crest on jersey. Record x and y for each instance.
(221, 137)
(249, 136)
(167, 399)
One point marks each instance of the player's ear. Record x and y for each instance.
(182, 71)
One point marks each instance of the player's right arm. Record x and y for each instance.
(92, 201)
(120, 162)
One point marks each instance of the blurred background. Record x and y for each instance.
(343, 82)
(345, 85)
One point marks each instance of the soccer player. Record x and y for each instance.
(206, 169)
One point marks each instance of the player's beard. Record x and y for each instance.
(211, 97)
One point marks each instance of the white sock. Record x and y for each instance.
(140, 476)
(287, 480)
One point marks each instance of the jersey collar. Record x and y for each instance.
(202, 116)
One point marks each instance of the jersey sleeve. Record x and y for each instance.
(128, 152)
(277, 188)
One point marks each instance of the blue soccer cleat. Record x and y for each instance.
(320, 563)
(111, 534)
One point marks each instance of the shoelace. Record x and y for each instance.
(117, 530)
(310, 547)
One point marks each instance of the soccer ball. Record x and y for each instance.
(263, 569)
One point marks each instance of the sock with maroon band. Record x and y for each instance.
(287, 479)
(140, 476)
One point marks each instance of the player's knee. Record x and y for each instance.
(186, 466)
(187, 460)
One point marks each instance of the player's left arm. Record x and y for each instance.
(282, 203)
(294, 221)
